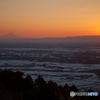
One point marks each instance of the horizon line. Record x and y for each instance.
(63, 37)
(50, 37)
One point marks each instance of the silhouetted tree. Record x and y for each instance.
(14, 87)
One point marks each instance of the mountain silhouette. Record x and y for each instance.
(10, 36)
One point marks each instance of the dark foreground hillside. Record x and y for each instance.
(14, 87)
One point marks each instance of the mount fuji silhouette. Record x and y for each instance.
(10, 36)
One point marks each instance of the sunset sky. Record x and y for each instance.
(50, 18)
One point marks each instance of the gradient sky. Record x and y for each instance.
(50, 18)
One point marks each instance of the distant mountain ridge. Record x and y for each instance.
(10, 36)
